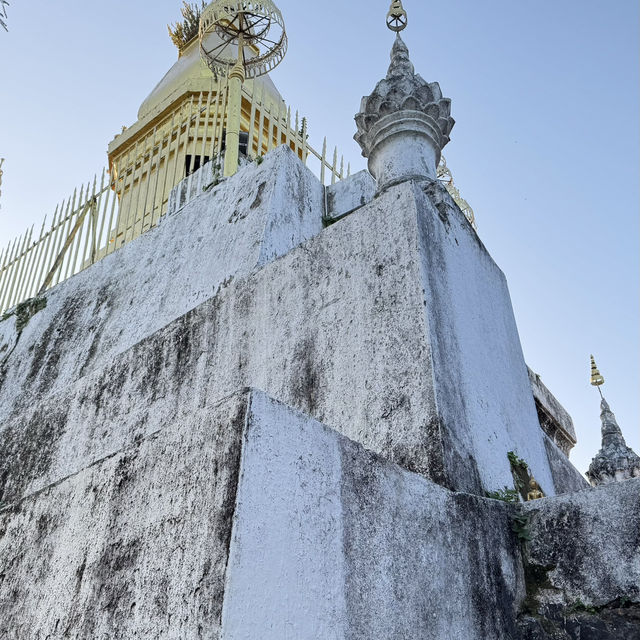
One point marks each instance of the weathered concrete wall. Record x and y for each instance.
(286, 570)
(334, 328)
(132, 546)
(238, 226)
(328, 540)
(422, 561)
(332, 541)
(582, 565)
(243, 518)
(566, 477)
(589, 543)
(347, 327)
(482, 390)
(122, 430)
(349, 194)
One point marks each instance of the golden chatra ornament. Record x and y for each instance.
(240, 40)
(255, 28)
(596, 378)
(397, 17)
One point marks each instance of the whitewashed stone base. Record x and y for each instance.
(246, 519)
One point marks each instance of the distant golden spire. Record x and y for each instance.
(596, 378)
(615, 461)
(397, 17)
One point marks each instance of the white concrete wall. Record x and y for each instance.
(588, 544)
(246, 519)
(565, 476)
(238, 226)
(134, 545)
(334, 328)
(393, 326)
(483, 392)
(286, 574)
(331, 541)
(349, 194)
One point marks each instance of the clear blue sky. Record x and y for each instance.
(545, 95)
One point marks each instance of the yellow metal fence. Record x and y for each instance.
(77, 234)
(123, 203)
(120, 205)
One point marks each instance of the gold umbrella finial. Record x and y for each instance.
(227, 29)
(596, 378)
(397, 17)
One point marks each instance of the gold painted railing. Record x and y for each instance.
(76, 237)
(130, 199)
(133, 195)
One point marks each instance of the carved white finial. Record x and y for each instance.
(404, 124)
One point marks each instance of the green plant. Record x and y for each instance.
(520, 526)
(259, 160)
(515, 461)
(183, 32)
(578, 605)
(506, 495)
(216, 175)
(24, 311)
(520, 473)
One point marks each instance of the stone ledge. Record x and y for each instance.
(555, 421)
(345, 196)
(586, 543)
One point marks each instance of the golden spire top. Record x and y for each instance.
(596, 378)
(397, 17)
